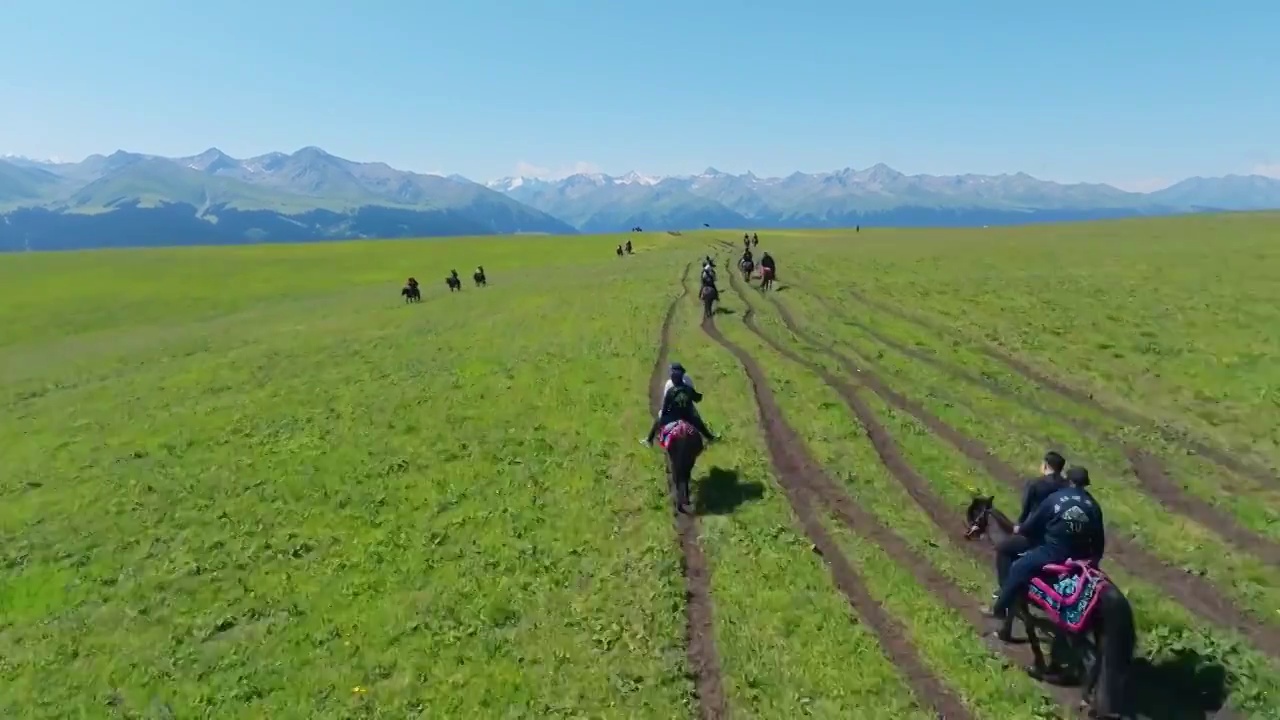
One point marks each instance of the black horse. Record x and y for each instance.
(709, 295)
(453, 282)
(1106, 643)
(411, 293)
(620, 253)
(683, 444)
(478, 276)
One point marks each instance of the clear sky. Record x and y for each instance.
(1133, 92)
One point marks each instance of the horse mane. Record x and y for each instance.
(1004, 521)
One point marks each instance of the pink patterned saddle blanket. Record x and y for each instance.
(1068, 593)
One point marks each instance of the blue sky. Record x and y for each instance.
(1134, 92)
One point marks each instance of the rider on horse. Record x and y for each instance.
(766, 261)
(708, 275)
(1034, 493)
(1070, 521)
(678, 400)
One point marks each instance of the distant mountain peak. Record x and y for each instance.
(635, 177)
(311, 151)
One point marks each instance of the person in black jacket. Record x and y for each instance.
(1067, 525)
(1035, 492)
(678, 404)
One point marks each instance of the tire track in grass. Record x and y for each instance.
(1222, 457)
(1146, 468)
(802, 480)
(791, 474)
(704, 658)
(882, 441)
(1191, 591)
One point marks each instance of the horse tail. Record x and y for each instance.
(1119, 642)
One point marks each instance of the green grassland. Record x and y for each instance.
(251, 482)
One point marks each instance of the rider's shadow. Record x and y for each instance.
(1182, 687)
(725, 311)
(721, 491)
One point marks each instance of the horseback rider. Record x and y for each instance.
(678, 400)
(678, 375)
(1071, 525)
(766, 261)
(755, 239)
(628, 247)
(413, 283)
(746, 256)
(708, 276)
(1034, 493)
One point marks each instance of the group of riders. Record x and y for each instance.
(709, 293)
(1059, 519)
(624, 249)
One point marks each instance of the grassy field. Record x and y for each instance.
(249, 482)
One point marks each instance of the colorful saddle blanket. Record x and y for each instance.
(1068, 593)
(677, 429)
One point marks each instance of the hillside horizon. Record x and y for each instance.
(139, 199)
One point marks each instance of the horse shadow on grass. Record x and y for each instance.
(725, 311)
(1184, 686)
(721, 491)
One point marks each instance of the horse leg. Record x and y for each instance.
(1038, 670)
(681, 469)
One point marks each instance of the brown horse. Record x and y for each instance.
(766, 277)
(683, 444)
(1105, 641)
(709, 295)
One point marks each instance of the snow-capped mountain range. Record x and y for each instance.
(130, 198)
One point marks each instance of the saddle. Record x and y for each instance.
(677, 429)
(1068, 593)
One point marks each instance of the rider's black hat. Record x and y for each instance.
(1078, 476)
(677, 367)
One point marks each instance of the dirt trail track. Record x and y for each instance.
(796, 474)
(1147, 469)
(803, 480)
(704, 659)
(1224, 458)
(1192, 591)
